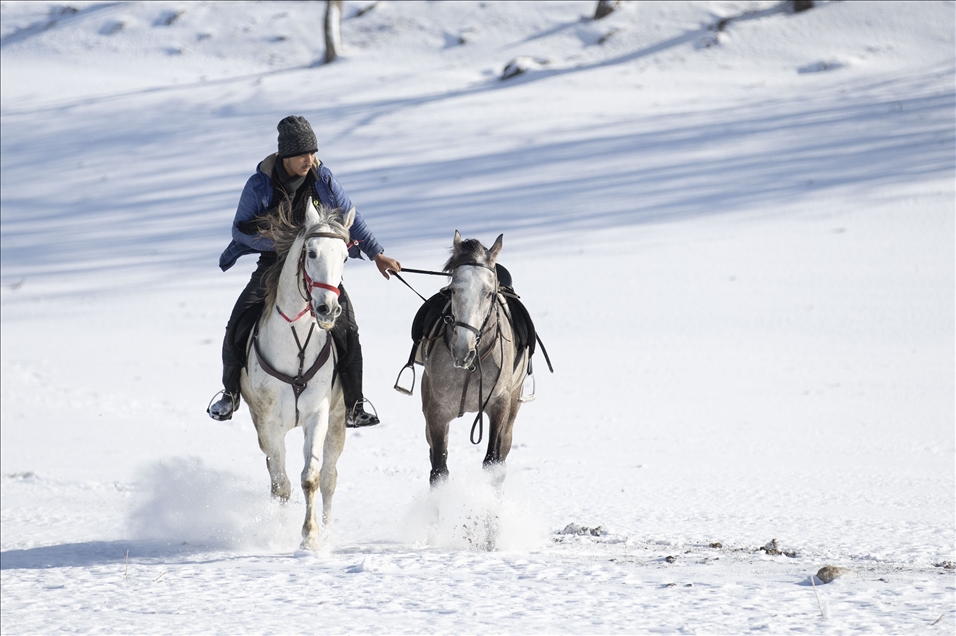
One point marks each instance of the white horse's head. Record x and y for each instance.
(474, 285)
(324, 253)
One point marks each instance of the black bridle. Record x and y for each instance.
(449, 319)
(476, 365)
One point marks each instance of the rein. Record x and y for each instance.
(482, 403)
(438, 310)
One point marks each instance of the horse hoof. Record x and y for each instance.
(310, 544)
(282, 492)
(302, 553)
(437, 478)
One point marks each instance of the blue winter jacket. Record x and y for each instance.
(257, 197)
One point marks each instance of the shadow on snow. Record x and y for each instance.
(93, 553)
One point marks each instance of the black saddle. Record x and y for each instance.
(425, 327)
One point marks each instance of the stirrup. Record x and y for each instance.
(359, 407)
(401, 389)
(235, 405)
(528, 398)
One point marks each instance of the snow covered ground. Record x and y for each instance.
(737, 244)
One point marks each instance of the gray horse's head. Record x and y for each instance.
(474, 285)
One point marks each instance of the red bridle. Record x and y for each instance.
(311, 284)
(306, 279)
(307, 283)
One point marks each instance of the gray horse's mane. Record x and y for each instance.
(470, 251)
(283, 232)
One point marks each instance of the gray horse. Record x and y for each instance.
(478, 370)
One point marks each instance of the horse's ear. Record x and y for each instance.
(496, 248)
(349, 218)
(312, 214)
(457, 242)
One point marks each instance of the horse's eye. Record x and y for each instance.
(312, 254)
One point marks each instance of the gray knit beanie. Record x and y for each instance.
(295, 137)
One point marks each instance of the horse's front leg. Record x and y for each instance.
(272, 442)
(501, 415)
(436, 432)
(315, 429)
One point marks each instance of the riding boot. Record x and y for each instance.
(223, 408)
(349, 368)
(351, 376)
(244, 315)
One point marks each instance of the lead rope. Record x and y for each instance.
(483, 402)
(440, 310)
(494, 434)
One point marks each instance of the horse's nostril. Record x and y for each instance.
(322, 309)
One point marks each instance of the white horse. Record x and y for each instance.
(288, 379)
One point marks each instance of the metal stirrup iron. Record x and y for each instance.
(233, 398)
(528, 398)
(401, 389)
(359, 407)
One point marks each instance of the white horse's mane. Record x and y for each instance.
(285, 233)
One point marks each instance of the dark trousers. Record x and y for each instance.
(345, 335)
(246, 313)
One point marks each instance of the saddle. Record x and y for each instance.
(429, 320)
(425, 325)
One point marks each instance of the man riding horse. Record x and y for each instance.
(293, 176)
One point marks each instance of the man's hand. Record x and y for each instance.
(384, 264)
